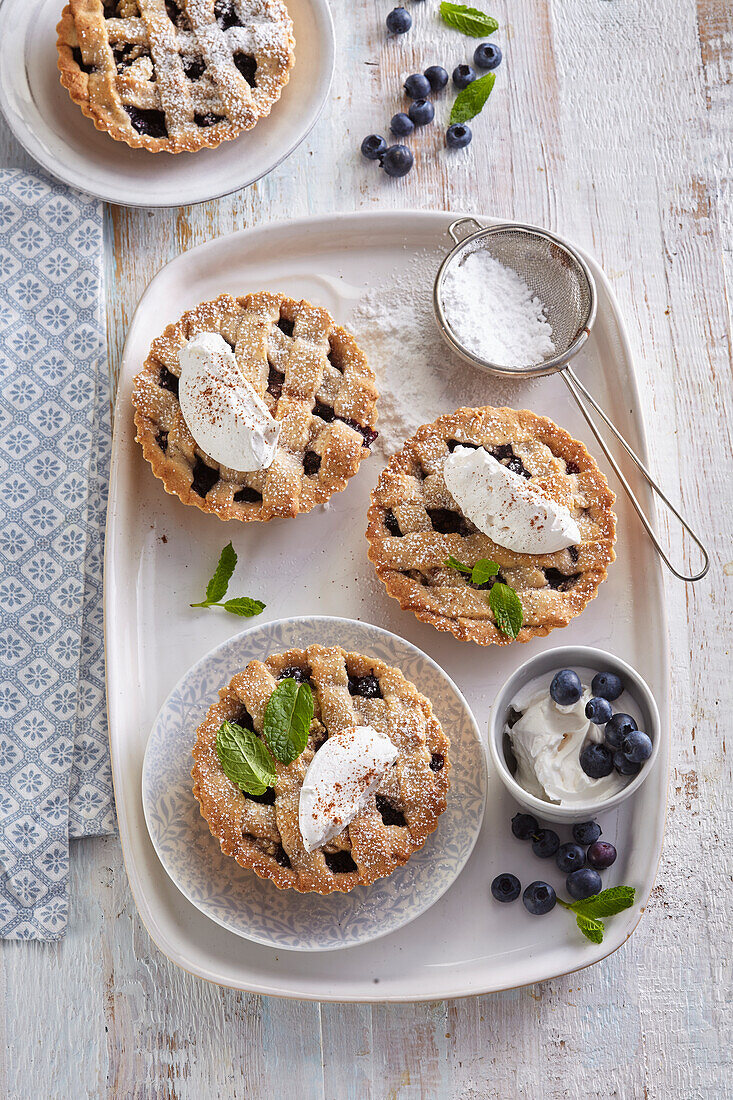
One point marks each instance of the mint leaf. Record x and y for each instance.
(470, 101)
(470, 21)
(592, 929)
(217, 586)
(245, 759)
(288, 717)
(243, 606)
(505, 604)
(607, 903)
(483, 570)
(455, 564)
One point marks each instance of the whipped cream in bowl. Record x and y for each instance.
(505, 506)
(535, 743)
(223, 412)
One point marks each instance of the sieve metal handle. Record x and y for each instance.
(459, 224)
(581, 395)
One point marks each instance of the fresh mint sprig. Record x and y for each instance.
(244, 759)
(217, 587)
(503, 600)
(288, 716)
(470, 21)
(470, 101)
(606, 904)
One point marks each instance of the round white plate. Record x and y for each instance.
(252, 907)
(54, 132)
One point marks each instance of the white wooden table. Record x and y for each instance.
(611, 123)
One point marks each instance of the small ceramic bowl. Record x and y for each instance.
(545, 665)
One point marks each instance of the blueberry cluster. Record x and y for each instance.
(397, 160)
(624, 746)
(580, 860)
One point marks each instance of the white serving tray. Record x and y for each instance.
(160, 554)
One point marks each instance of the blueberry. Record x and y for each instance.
(637, 747)
(506, 887)
(525, 826)
(399, 21)
(587, 832)
(607, 685)
(596, 761)
(417, 86)
(397, 160)
(421, 112)
(458, 136)
(487, 56)
(601, 855)
(583, 883)
(463, 75)
(539, 898)
(616, 729)
(598, 710)
(545, 843)
(373, 146)
(566, 687)
(624, 766)
(401, 124)
(437, 77)
(570, 857)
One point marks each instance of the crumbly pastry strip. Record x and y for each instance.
(175, 75)
(263, 833)
(414, 525)
(314, 379)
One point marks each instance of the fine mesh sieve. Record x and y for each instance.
(561, 279)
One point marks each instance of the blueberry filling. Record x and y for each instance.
(281, 856)
(168, 380)
(447, 522)
(489, 584)
(149, 123)
(162, 440)
(209, 119)
(368, 434)
(226, 15)
(294, 672)
(572, 468)
(365, 686)
(311, 463)
(505, 454)
(247, 496)
(390, 522)
(389, 813)
(574, 553)
(193, 67)
(437, 760)
(266, 799)
(561, 582)
(275, 380)
(288, 327)
(453, 443)
(125, 55)
(77, 55)
(247, 66)
(204, 477)
(244, 719)
(325, 412)
(340, 863)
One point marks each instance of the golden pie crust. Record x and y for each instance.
(263, 833)
(414, 525)
(314, 379)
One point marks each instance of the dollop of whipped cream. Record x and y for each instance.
(224, 413)
(340, 780)
(504, 506)
(547, 741)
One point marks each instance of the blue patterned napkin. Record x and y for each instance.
(54, 456)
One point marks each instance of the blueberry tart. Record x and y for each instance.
(361, 796)
(175, 75)
(255, 407)
(509, 489)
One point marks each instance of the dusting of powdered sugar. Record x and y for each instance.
(493, 312)
(418, 377)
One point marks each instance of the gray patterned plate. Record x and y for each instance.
(255, 908)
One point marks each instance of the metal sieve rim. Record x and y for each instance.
(547, 366)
